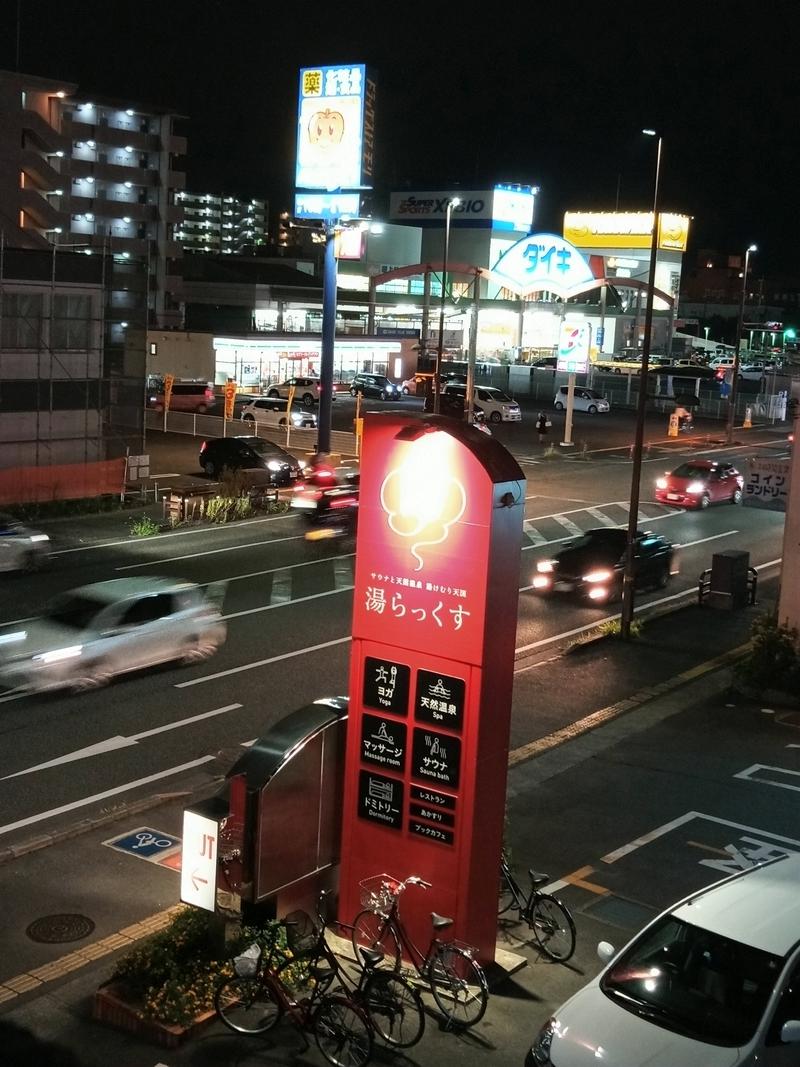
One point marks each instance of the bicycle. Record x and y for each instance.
(548, 919)
(393, 1005)
(255, 999)
(456, 980)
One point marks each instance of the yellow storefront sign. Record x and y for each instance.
(625, 229)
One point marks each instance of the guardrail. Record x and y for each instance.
(304, 440)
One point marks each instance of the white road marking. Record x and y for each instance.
(601, 517)
(111, 744)
(208, 552)
(751, 774)
(288, 603)
(533, 535)
(264, 662)
(343, 572)
(31, 819)
(702, 541)
(572, 529)
(281, 586)
(169, 533)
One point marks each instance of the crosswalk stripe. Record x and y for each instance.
(601, 516)
(533, 535)
(568, 524)
(343, 572)
(281, 587)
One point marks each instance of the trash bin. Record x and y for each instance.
(729, 580)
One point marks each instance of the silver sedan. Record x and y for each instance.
(88, 636)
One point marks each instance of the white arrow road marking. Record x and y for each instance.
(105, 795)
(112, 743)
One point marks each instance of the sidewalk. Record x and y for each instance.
(48, 987)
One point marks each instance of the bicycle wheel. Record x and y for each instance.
(395, 1009)
(505, 895)
(458, 986)
(246, 1005)
(552, 927)
(372, 931)
(342, 1032)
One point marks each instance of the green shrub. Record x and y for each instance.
(172, 975)
(143, 526)
(223, 509)
(773, 661)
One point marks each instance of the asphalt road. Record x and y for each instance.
(288, 609)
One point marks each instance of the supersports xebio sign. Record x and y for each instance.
(474, 205)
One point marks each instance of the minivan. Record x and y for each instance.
(497, 405)
(584, 400)
(193, 396)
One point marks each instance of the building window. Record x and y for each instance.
(21, 320)
(71, 314)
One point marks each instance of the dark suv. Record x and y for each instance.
(242, 453)
(377, 385)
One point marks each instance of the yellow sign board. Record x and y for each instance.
(230, 398)
(625, 229)
(169, 381)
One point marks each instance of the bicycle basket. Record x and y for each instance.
(378, 892)
(246, 964)
(302, 935)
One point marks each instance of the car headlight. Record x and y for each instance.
(540, 1049)
(695, 487)
(275, 465)
(58, 654)
(545, 566)
(39, 537)
(302, 464)
(661, 483)
(601, 575)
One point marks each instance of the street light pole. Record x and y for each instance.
(641, 407)
(454, 201)
(328, 345)
(737, 344)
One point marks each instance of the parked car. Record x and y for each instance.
(753, 372)
(88, 636)
(713, 981)
(377, 385)
(722, 361)
(583, 400)
(307, 390)
(496, 405)
(247, 453)
(197, 397)
(266, 411)
(592, 566)
(417, 385)
(22, 549)
(700, 482)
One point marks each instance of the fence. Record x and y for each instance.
(66, 481)
(300, 440)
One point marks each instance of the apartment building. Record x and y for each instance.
(222, 224)
(100, 176)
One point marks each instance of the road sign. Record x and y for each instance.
(144, 842)
(199, 860)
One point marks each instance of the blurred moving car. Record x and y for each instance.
(593, 565)
(714, 981)
(88, 636)
(588, 400)
(272, 411)
(22, 549)
(247, 453)
(700, 482)
(494, 403)
(307, 390)
(377, 385)
(330, 510)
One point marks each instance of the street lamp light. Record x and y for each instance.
(738, 343)
(453, 201)
(626, 616)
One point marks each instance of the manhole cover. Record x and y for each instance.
(56, 929)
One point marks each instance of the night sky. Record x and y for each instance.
(553, 95)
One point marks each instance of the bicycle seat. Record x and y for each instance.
(322, 974)
(371, 956)
(440, 921)
(537, 878)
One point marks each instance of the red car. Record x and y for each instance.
(701, 482)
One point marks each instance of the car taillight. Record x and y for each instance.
(203, 447)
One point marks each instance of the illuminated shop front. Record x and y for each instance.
(255, 363)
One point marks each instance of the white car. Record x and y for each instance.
(712, 982)
(271, 411)
(496, 405)
(307, 391)
(88, 636)
(22, 549)
(752, 372)
(588, 400)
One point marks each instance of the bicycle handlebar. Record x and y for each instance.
(415, 879)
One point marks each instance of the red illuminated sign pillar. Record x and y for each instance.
(434, 625)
